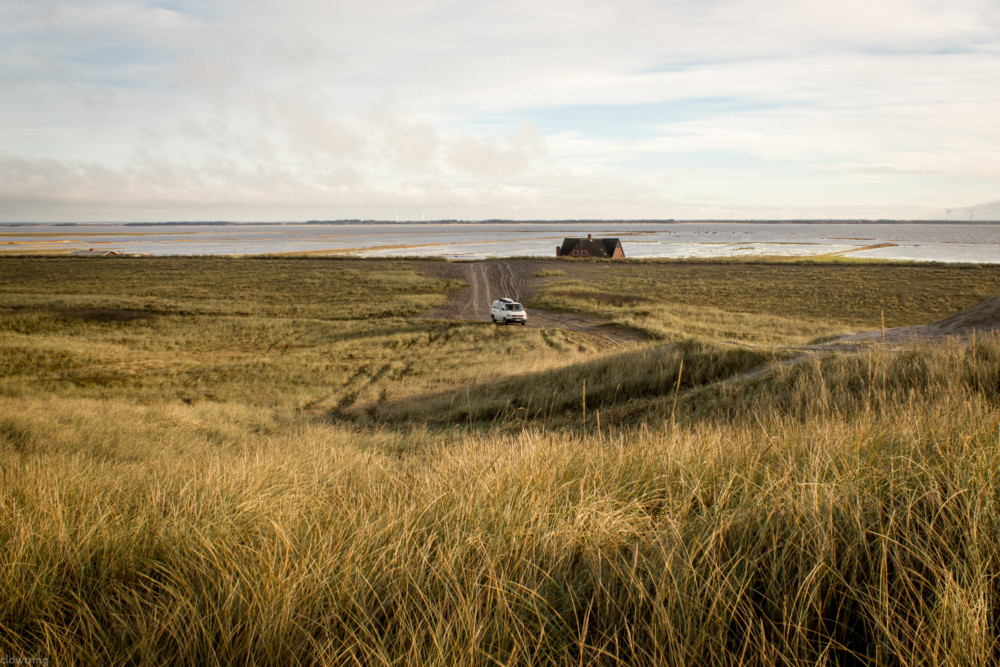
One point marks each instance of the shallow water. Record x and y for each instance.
(959, 242)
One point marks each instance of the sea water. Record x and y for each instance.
(940, 242)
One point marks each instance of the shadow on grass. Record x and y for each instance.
(698, 382)
(568, 391)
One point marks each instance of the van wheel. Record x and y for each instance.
(524, 323)
(493, 319)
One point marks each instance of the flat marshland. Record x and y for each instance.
(285, 461)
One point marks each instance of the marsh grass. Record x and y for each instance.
(328, 288)
(815, 295)
(673, 322)
(234, 479)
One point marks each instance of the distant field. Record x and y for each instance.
(852, 294)
(223, 460)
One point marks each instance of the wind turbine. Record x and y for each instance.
(948, 213)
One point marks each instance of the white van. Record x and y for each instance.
(507, 311)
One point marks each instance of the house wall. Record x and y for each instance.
(578, 252)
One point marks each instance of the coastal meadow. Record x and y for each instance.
(217, 461)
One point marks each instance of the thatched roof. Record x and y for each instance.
(594, 247)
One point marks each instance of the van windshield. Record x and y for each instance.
(515, 307)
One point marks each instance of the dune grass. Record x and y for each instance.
(557, 396)
(221, 478)
(211, 533)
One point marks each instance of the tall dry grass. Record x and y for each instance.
(556, 394)
(215, 534)
(203, 470)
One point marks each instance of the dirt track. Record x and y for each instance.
(982, 318)
(493, 279)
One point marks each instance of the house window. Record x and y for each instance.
(576, 252)
(583, 252)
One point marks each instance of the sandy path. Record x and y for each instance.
(493, 279)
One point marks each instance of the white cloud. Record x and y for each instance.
(263, 109)
(490, 159)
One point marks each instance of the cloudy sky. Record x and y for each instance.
(121, 110)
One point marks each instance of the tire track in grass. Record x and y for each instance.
(493, 279)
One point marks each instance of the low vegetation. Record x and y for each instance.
(217, 461)
(788, 301)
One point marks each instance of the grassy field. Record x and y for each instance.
(218, 461)
(766, 302)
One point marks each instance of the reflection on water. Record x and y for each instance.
(978, 242)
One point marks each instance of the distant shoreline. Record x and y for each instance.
(220, 223)
(927, 241)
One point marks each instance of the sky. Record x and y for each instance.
(286, 110)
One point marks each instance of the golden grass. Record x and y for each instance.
(226, 476)
(213, 533)
(555, 395)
